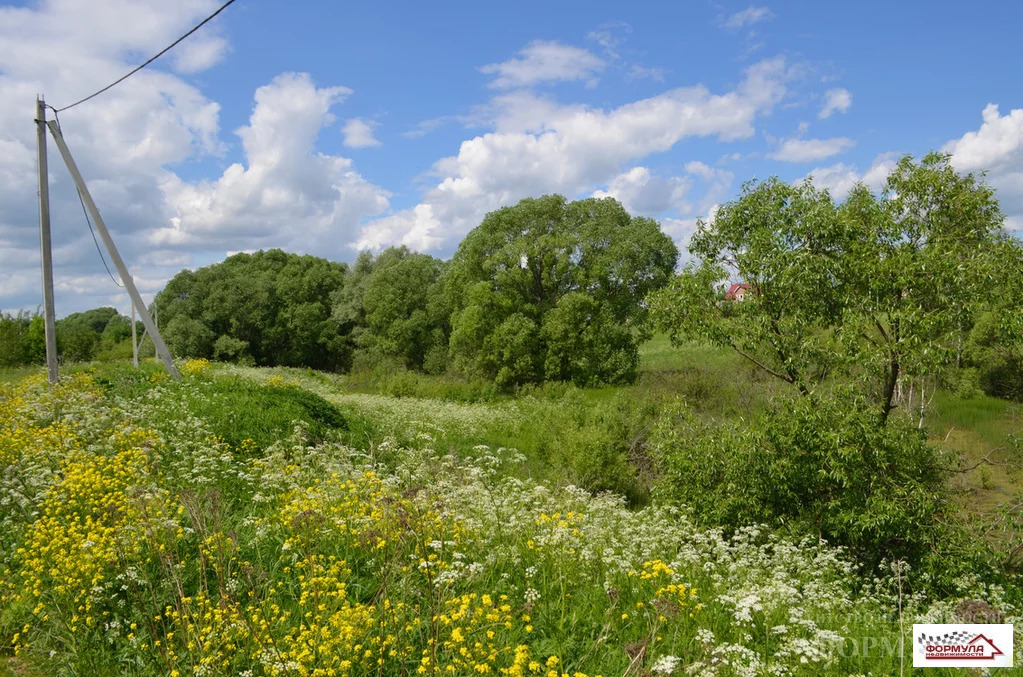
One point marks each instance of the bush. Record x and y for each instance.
(997, 357)
(402, 384)
(238, 410)
(18, 345)
(822, 467)
(597, 446)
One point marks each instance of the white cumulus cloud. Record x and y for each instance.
(997, 148)
(643, 193)
(539, 146)
(840, 178)
(358, 133)
(288, 195)
(543, 61)
(836, 100)
(122, 140)
(810, 150)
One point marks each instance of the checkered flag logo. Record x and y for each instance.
(957, 637)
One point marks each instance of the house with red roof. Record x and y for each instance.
(737, 292)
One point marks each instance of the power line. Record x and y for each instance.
(151, 60)
(81, 201)
(96, 242)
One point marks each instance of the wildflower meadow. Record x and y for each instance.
(134, 540)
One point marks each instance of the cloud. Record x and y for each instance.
(839, 179)
(716, 184)
(539, 146)
(996, 148)
(122, 140)
(997, 145)
(747, 17)
(358, 133)
(198, 54)
(288, 195)
(637, 72)
(610, 36)
(645, 194)
(835, 100)
(810, 150)
(427, 126)
(542, 61)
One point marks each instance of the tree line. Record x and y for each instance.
(895, 286)
(544, 290)
(100, 333)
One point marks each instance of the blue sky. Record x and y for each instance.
(327, 128)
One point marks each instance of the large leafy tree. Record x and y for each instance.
(271, 307)
(80, 335)
(926, 253)
(392, 305)
(787, 243)
(551, 289)
(886, 282)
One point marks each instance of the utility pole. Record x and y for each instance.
(44, 245)
(115, 256)
(134, 343)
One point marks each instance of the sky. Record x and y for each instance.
(329, 128)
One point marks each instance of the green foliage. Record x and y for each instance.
(34, 343)
(924, 258)
(95, 320)
(815, 466)
(271, 307)
(19, 336)
(599, 445)
(239, 410)
(997, 360)
(404, 316)
(787, 243)
(76, 342)
(82, 337)
(230, 349)
(880, 286)
(549, 289)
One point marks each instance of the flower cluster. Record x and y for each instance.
(195, 367)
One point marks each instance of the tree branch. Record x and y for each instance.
(772, 372)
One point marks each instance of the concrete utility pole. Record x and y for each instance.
(122, 270)
(44, 245)
(134, 343)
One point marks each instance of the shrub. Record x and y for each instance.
(237, 410)
(997, 357)
(597, 446)
(820, 466)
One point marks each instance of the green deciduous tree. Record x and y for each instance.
(270, 307)
(884, 285)
(924, 259)
(17, 344)
(787, 243)
(550, 289)
(396, 301)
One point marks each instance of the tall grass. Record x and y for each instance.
(143, 543)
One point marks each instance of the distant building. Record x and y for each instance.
(737, 292)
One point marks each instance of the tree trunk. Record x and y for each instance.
(889, 389)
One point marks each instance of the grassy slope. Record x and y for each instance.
(981, 428)
(600, 572)
(718, 383)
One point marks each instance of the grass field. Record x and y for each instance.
(289, 522)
